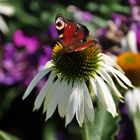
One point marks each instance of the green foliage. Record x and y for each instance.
(6, 136)
(36, 17)
(49, 132)
(136, 122)
(104, 127)
(105, 9)
(8, 98)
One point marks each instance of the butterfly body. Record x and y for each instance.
(72, 35)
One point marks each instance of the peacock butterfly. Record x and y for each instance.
(72, 35)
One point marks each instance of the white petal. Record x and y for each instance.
(93, 86)
(108, 60)
(72, 106)
(88, 105)
(34, 82)
(49, 64)
(105, 96)
(89, 112)
(109, 69)
(3, 26)
(64, 97)
(132, 43)
(131, 101)
(87, 97)
(49, 96)
(43, 92)
(109, 80)
(137, 96)
(80, 106)
(53, 100)
(122, 77)
(7, 9)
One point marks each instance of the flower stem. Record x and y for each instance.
(137, 126)
(85, 131)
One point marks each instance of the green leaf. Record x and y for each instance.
(120, 8)
(104, 127)
(6, 136)
(92, 6)
(98, 21)
(49, 132)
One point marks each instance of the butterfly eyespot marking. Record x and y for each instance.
(60, 23)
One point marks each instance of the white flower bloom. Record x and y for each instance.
(72, 96)
(132, 99)
(7, 10)
(130, 63)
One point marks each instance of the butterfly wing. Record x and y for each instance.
(73, 36)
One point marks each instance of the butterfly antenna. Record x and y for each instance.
(61, 54)
(59, 57)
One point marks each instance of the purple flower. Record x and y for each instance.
(32, 44)
(126, 126)
(136, 27)
(53, 31)
(21, 65)
(28, 76)
(87, 16)
(19, 38)
(46, 56)
(138, 37)
(9, 50)
(48, 51)
(134, 2)
(136, 13)
(119, 19)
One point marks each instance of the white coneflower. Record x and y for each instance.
(72, 76)
(130, 63)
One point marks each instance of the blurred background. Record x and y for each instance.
(27, 36)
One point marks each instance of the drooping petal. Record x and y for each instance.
(122, 77)
(53, 100)
(64, 97)
(34, 82)
(49, 64)
(87, 97)
(109, 80)
(107, 68)
(89, 112)
(105, 96)
(80, 105)
(92, 81)
(43, 92)
(88, 106)
(3, 26)
(48, 97)
(131, 101)
(108, 60)
(72, 106)
(137, 96)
